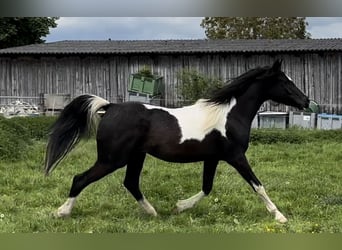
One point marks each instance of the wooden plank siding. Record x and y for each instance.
(319, 75)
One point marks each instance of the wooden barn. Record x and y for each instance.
(104, 67)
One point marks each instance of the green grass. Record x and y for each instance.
(302, 179)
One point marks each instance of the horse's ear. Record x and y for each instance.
(277, 65)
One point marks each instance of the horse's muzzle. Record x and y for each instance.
(306, 103)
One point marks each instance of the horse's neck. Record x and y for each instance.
(248, 106)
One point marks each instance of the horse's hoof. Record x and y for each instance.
(280, 217)
(153, 214)
(182, 205)
(60, 214)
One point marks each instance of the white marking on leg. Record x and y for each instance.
(269, 204)
(189, 203)
(65, 209)
(147, 207)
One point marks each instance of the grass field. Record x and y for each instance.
(302, 179)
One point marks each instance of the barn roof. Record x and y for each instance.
(177, 46)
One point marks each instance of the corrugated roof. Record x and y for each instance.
(177, 46)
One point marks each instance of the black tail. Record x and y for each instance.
(74, 122)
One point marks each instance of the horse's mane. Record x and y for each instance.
(237, 86)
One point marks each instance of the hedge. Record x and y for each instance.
(16, 134)
(294, 135)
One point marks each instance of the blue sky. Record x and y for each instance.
(146, 28)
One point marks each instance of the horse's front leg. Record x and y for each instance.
(241, 164)
(209, 169)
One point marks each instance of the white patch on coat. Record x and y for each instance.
(198, 120)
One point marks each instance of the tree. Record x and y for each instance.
(255, 27)
(18, 31)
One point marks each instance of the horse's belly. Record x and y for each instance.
(179, 157)
(188, 151)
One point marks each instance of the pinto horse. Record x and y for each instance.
(211, 130)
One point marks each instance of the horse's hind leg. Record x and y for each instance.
(241, 164)
(209, 170)
(81, 181)
(131, 182)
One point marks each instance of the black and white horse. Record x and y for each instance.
(211, 130)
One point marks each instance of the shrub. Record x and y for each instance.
(13, 139)
(145, 71)
(37, 127)
(195, 86)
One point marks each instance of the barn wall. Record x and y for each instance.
(318, 75)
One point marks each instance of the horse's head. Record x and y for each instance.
(282, 89)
